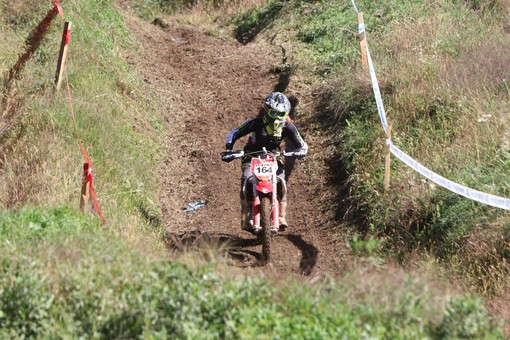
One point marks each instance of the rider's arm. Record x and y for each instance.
(293, 134)
(244, 129)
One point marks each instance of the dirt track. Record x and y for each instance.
(208, 86)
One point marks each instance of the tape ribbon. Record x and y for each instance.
(88, 170)
(475, 195)
(59, 9)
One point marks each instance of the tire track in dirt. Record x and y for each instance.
(209, 85)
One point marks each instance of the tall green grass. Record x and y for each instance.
(438, 81)
(152, 8)
(117, 121)
(62, 275)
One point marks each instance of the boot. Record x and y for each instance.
(246, 218)
(283, 213)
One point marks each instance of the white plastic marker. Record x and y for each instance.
(475, 195)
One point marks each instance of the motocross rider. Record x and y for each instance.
(267, 130)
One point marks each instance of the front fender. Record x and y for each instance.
(264, 187)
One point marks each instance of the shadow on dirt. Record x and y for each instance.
(284, 74)
(249, 25)
(231, 246)
(333, 116)
(235, 248)
(308, 254)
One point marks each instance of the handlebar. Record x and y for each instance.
(294, 153)
(230, 155)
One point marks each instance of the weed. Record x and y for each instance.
(368, 246)
(465, 318)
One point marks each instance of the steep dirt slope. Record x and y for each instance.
(210, 85)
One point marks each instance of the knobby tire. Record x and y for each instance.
(265, 222)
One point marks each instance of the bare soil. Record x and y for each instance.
(208, 84)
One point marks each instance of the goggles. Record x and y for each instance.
(276, 114)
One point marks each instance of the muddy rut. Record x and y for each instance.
(208, 85)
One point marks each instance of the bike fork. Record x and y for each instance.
(256, 211)
(275, 208)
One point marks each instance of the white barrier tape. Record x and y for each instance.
(373, 77)
(355, 8)
(377, 92)
(495, 201)
(475, 195)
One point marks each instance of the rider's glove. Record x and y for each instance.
(227, 158)
(229, 146)
(302, 152)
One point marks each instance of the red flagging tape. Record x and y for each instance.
(87, 171)
(67, 37)
(59, 8)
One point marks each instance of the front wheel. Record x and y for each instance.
(265, 223)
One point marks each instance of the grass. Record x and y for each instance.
(442, 102)
(436, 117)
(63, 275)
(44, 166)
(149, 10)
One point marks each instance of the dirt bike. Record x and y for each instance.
(264, 186)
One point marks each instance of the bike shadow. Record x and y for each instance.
(309, 253)
(237, 248)
(231, 246)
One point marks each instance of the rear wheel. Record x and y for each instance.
(265, 222)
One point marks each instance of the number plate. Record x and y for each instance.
(264, 169)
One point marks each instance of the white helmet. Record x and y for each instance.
(277, 105)
(276, 110)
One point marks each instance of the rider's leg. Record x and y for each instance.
(283, 215)
(282, 189)
(246, 218)
(246, 209)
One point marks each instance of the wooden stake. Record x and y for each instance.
(62, 57)
(362, 40)
(85, 187)
(387, 160)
